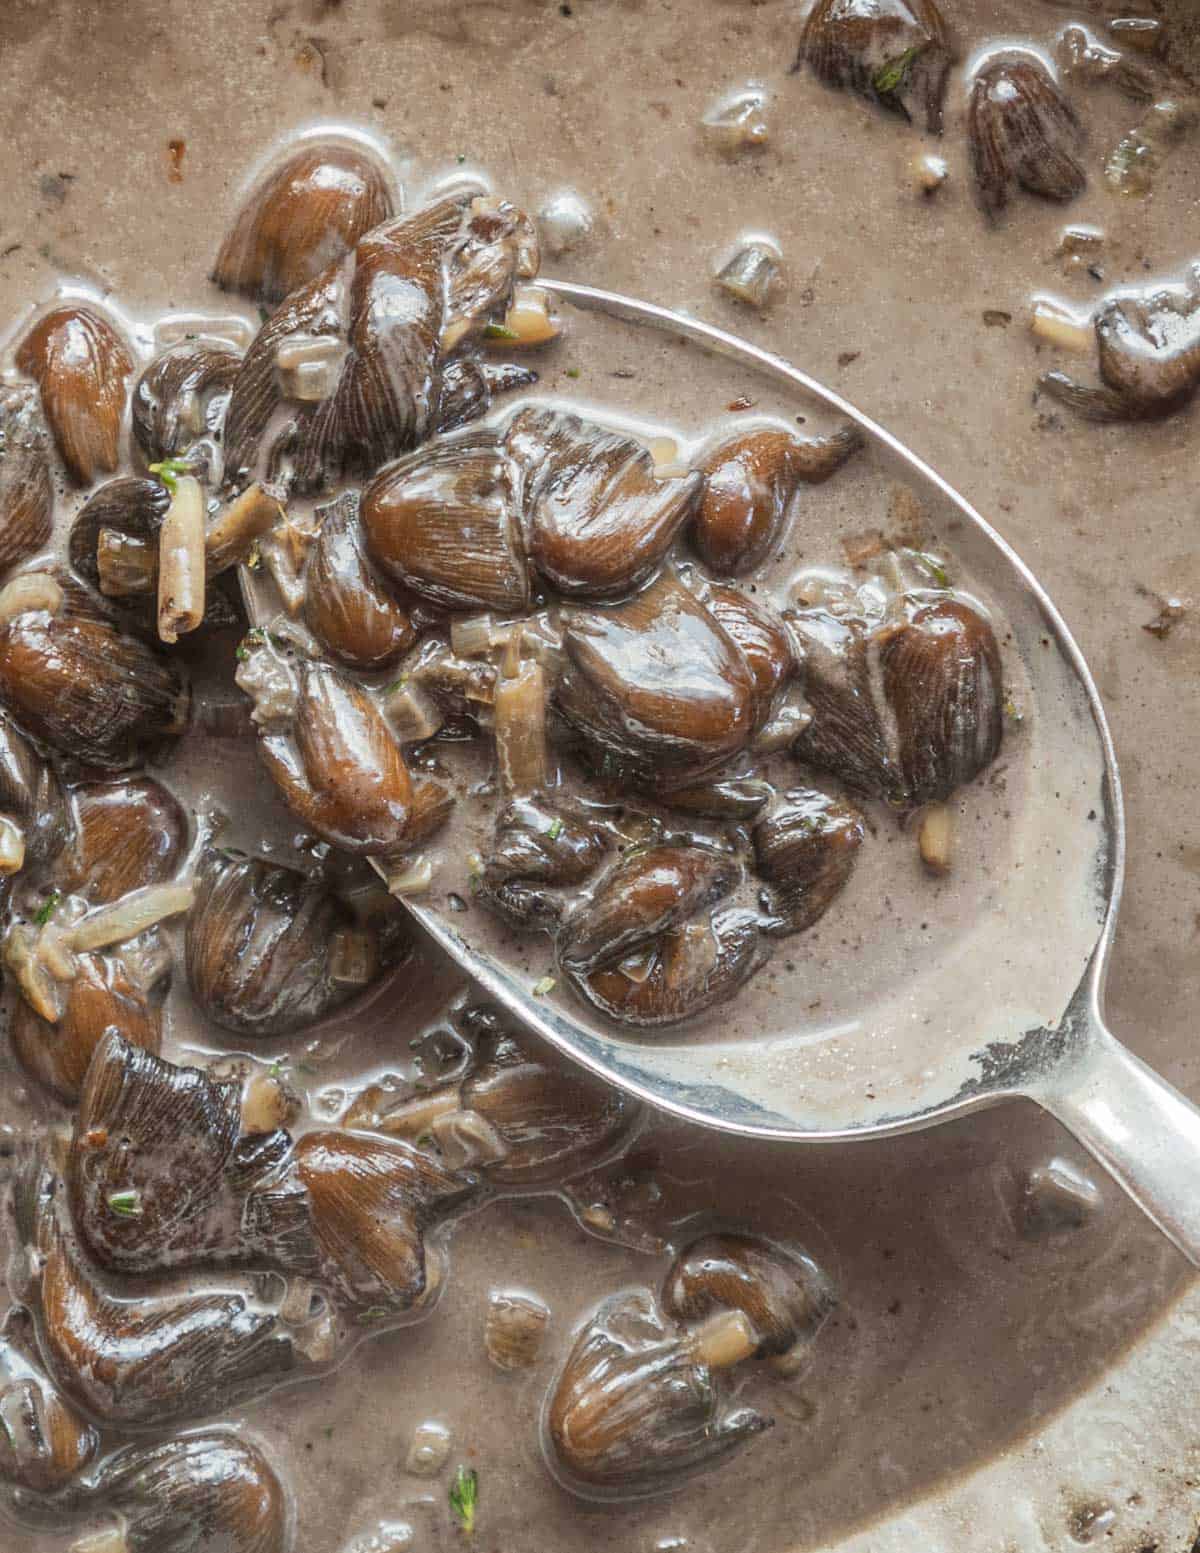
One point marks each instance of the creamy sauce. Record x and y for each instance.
(955, 1333)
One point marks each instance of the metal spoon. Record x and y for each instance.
(1141, 1130)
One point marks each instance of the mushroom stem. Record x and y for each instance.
(229, 540)
(416, 1117)
(725, 1340)
(111, 1539)
(33, 590)
(181, 561)
(12, 847)
(130, 915)
(520, 714)
(936, 838)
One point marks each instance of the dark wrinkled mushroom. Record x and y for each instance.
(621, 688)
(122, 992)
(1022, 131)
(806, 850)
(44, 1442)
(540, 850)
(931, 721)
(649, 949)
(1149, 351)
(159, 1176)
(181, 396)
(724, 798)
(783, 1293)
(599, 522)
(763, 640)
(130, 512)
(86, 688)
(126, 834)
(30, 793)
(496, 245)
(26, 493)
(81, 366)
(444, 524)
(750, 482)
(371, 1201)
(260, 945)
(636, 1405)
(897, 53)
(142, 1360)
(212, 1491)
(329, 750)
(302, 217)
(346, 605)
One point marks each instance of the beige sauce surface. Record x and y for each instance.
(955, 1334)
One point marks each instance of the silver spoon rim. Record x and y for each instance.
(544, 1019)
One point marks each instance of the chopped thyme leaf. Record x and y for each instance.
(555, 830)
(891, 75)
(499, 332)
(542, 987)
(276, 1068)
(934, 567)
(573, 372)
(464, 1497)
(370, 1316)
(126, 1205)
(169, 470)
(396, 684)
(48, 907)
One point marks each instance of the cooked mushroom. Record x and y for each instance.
(260, 945)
(931, 721)
(540, 849)
(181, 396)
(44, 1442)
(158, 1174)
(444, 524)
(783, 1293)
(371, 1202)
(763, 640)
(1022, 130)
(725, 798)
(1149, 358)
(302, 217)
(514, 1330)
(622, 691)
(599, 522)
(130, 511)
(897, 53)
(81, 366)
(636, 1405)
(26, 494)
(346, 606)
(126, 834)
(497, 244)
(329, 750)
(122, 992)
(648, 948)
(134, 1361)
(212, 1491)
(30, 793)
(81, 685)
(750, 482)
(806, 850)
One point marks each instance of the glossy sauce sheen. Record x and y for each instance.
(954, 1333)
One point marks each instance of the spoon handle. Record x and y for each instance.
(1141, 1129)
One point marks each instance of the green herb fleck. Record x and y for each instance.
(464, 1497)
(396, 684)
(542, 987)
(329, 1432)
(263, 315)
(276, 1068)
(1012, 711)
(126, 1205)
(461, 158)
(425, 1141)
(48, 907)
(375, 1313)
(573, 372)
(169, 470)
(934, 567)
(499, 332)
(891, 76)
(555, 830)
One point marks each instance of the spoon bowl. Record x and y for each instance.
(1010, 1008)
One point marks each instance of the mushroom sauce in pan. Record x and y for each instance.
(347, 568)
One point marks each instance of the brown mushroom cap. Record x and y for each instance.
(783, 1293)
